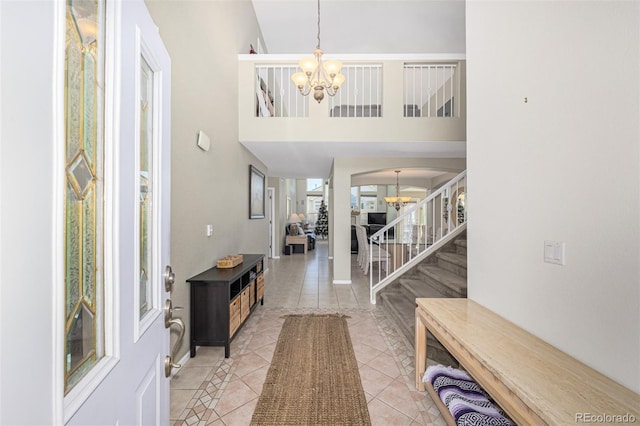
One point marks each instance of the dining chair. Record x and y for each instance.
(379, 254)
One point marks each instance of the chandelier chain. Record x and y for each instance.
(318, 47)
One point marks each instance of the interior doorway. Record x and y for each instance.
(271, 208)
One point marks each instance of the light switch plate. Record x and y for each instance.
(554, 252)
(203, 141)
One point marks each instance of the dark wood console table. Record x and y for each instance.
(221, 301)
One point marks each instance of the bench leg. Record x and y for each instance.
(421, 351)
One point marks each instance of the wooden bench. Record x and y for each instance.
(532, 381)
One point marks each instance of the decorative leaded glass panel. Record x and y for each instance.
(146, 189)
(73, 93)
(72, 254)
(89, 247)
(84, 205)
(80, 175)
(90, 109)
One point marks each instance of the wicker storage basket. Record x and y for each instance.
(229, 261)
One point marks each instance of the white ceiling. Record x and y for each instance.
(313, 159)
(363, 26)
(356, 26)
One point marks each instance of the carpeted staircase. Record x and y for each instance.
(442, 274)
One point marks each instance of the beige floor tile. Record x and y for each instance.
(382, 414)
(364, 353)
(368, 397)
(373, 340)
(308, 303)
(374, 381)
(180, 398)
(236, 394)
(248, 363)
(266, 351)
(364, 324)
(189, 377)
(271, 333)
(398, 396)
(427, 419)
(357, 318)
(265, 337)
(242, 415)
(207, 356)
(255, 380)
(385, 363)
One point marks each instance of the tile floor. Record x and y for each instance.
(212, 390)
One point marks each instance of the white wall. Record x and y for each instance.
(27, 224)
(564, 166)
(301, 196)
(203, 39)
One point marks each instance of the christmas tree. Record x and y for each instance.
(322, 224)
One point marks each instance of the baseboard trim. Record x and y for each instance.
(342, 281)
(276, 257)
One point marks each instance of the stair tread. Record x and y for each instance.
(461, 243)
(447, 278)
(403, 305)
(419, 288)
(401, 310)
(456, 259)
(428, 279)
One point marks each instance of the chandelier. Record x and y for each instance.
(318, 75)
(398, 202)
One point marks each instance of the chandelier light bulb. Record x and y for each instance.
(337, 81)
(332, 67)
(308, 65)
(299, 79)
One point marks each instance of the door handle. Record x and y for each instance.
(168, 312)
(169, 278)
(169, 321)
(180, 324)
(169, 365)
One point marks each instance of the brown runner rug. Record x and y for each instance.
(314, 377)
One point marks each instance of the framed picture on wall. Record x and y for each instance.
(256, 193)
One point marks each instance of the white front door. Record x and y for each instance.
(117, 374)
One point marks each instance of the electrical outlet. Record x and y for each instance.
(209, 230)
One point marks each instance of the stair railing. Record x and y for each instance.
(416, 232)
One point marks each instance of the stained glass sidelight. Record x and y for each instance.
(146, 189)
(84, 205)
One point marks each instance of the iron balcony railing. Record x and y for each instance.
(428, 90)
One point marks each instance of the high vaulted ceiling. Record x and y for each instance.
(363, 26)
(356, 26)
